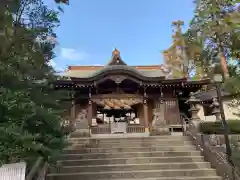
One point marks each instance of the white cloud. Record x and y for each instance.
(72, 54)
(54, 65)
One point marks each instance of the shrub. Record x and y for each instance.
(217, 128)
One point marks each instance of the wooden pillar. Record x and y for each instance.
(73, 107)
(72, 114)
(145, 111)
(89, 115)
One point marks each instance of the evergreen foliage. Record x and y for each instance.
(30, 108)
(214, 29)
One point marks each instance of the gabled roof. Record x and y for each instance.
(116, 63)
(116, 59)
(90, 71)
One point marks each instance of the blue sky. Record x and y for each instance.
(139, 29)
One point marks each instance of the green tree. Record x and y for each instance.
(30, 109)
(214, 31)
(213, 22)
(215, 25)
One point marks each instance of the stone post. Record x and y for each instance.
(193, 101)
(216, 109)
(159, 125)
(81, 124)
(83, 120)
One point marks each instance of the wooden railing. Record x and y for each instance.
(106, 129)
(101, 129)
(135, 129)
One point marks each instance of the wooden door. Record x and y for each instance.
(172, 114)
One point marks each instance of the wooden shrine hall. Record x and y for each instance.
(117, 98)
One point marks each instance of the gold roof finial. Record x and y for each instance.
(116, 52)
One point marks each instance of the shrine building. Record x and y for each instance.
(118, 98)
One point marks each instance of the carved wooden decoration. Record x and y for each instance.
(117, 79)
(118, 96)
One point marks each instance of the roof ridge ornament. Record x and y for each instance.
(116, 59)
(115, 52)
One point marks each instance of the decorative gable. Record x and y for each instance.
(116, 59)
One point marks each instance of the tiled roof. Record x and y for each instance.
(209, 95)
(153, 73)
(90, 71)
(116, 63)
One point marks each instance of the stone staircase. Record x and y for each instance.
(143, 158)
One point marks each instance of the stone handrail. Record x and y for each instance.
(213, 155)
(184, 121)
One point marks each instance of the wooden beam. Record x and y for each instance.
(117, 95)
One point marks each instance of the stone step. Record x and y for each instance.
(129, 155)
(134, 174)
(132, 160)
(177, 178)
(131, 139)
(132, 144)
(130, 167)
(80, 149)
(126, 141)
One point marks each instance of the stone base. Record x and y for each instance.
(157, 131)
(196, 122)
(81, 133)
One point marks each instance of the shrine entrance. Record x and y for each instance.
(107, 116)
(117, 119)
(117, 114)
